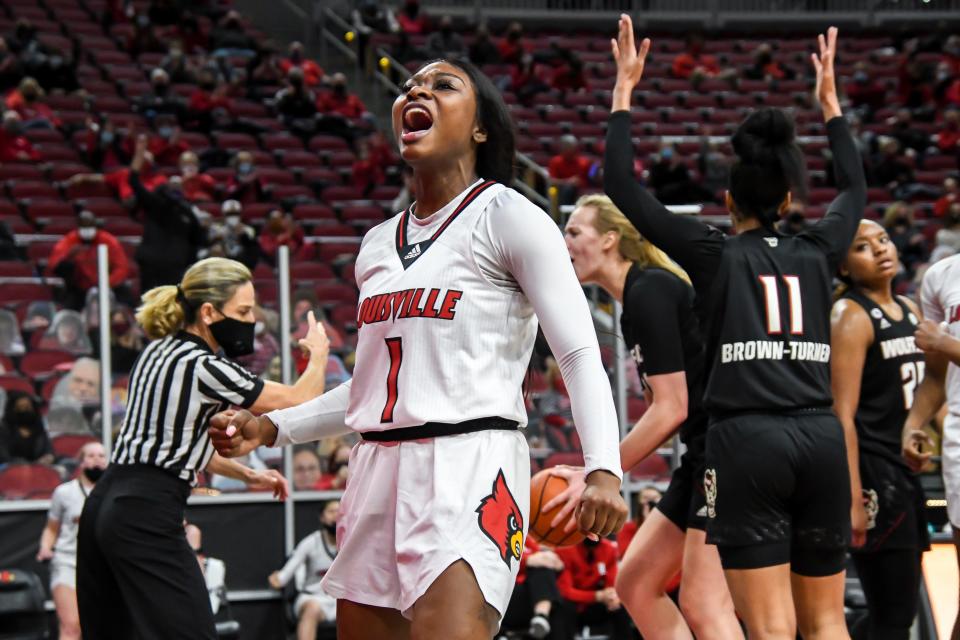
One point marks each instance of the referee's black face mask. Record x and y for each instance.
(234, 336)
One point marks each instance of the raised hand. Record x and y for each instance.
(316, 342)
(630, 62)
(826, 90)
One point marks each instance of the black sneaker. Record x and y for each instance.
(539, 627)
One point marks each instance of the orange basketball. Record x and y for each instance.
(543, 488)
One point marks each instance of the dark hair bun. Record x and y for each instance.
(764, 136)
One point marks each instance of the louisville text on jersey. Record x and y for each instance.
(409, 303)
(774, 350)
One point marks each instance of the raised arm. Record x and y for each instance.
(839, 226)
(691, 243)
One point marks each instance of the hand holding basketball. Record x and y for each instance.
(602, 510)
(569, 498)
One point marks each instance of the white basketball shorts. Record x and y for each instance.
(63, 573)
(950, 464)
(411, 509)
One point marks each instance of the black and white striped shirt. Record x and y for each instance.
(176, 386)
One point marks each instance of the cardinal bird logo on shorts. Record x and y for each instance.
(500, 519)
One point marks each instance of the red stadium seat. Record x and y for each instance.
(327, 143)
(339, 194)
(24, 481)
(69, 445)
(39, 364)
(572, 458)
(653, 467)
(17, 172)
(236, 141)
(13, 382)
(16, 291)
(336, 251)
(103, 207)
(39, 251)
(20, 189)
(16, 269)
(88, 190)
(281, 191)
(37, 209)
(311, 271)
(366, 212)
(274, 141)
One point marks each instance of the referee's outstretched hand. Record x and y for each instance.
(235, 433)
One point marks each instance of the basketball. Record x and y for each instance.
(543, 488)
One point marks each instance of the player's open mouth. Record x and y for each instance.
(885, 264)
(416, 121)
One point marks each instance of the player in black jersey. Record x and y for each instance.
(876, 367)
(777, 483)
(662, 333)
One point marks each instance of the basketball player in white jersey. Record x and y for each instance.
(451, 291)
(939, 337)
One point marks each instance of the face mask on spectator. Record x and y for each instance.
(161, 88)
(860, 77)
(340, 90)
(296, 56)
(666, 154)
(188, 170)
(26, 418)
(165, 132)
(119, 327)
(244, 168)
(107, 137)
(233, 221)
(93, 473)
(87, 233)
(208, 85)
(329, 528)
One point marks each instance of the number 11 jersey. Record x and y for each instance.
(443, 334)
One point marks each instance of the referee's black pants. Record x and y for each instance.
(137, 578)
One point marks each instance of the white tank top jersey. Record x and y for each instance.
(447, 318)
(443, 337)
(940, 301)
(66, 504)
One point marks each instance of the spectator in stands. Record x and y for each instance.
(144, 38)
(58, 541)
(948, 238)
(569, 169)
(39, 315)
(765, 67)
(900, 225)
(338, 100)
(951, 194)
(197, 186)
(512, 48)
(280, 230)
(229, 38)
(527, 79)
(646, 501)
(568, 74)
(670, 179)
(11, 342)
(80, 388)
(23, 41)
(14, 146)
(411, 19)
(178, 66)
(126, 340)
(167, 146)
(103, 147)
(408, 190)
(948, 139)
(713, 165)
(915, 90)
(909, 136)
(10, 70)
(445, 42)
(66, 333)
(172, 233)
(296, 59)
(337, 471)
(297, 104)
(265, 345)
(160, 99)
(22, 434)
(27, 101)
(245, 185)
(310, 561)
(206, 98)
(483, 51)
(74, 258)
(119, 180)
(533, 597)
(587, 587)
(867, 95)
(367, 171)
(894, 171)
(267, 71)
(214, 570)
(232, 238)
(306, 469)
(693, 61)
(370, 17)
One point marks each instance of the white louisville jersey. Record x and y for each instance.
(442, 337)
(940, 301)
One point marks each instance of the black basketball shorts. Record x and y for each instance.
(778, 491)
(894, 501)
(684, 502)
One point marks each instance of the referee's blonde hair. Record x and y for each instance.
(215, 280)
(631, 245)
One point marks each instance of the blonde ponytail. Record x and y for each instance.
(632, 246)
(169, 308)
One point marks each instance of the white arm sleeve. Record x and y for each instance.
(322, 417)
(529, 247)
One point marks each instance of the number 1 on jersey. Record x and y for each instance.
(395, 348)
(771, 296)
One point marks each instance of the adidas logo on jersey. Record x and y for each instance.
(884, 324)
(413, 253)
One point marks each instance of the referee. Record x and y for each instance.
(136, 574)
